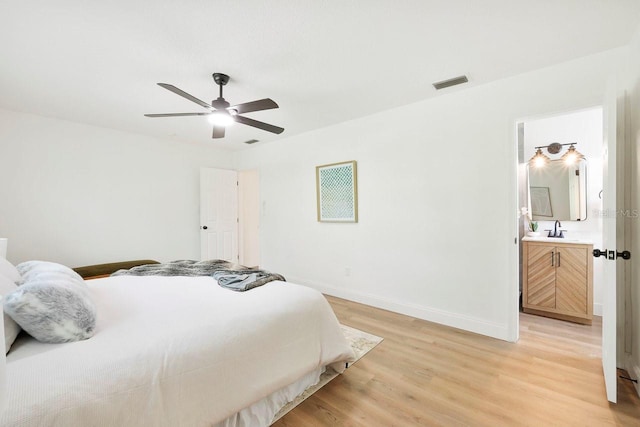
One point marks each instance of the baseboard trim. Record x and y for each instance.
(597, 309)
(455, 320)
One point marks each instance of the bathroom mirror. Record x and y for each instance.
(558, 191)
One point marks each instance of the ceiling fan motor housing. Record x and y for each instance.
(219, 103)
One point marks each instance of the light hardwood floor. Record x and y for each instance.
(428, 374)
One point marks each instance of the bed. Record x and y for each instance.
(177, 351)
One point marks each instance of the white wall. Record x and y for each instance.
(437, 199)
(584, 127)
(80, 194)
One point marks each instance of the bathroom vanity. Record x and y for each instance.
(557, 278)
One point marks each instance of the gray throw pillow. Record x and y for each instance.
(52, 304)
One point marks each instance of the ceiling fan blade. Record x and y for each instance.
(261, 104)
(218, 132)
(259, 125)
(177, 114)
(184, 94)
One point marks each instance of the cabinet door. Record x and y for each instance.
(541, 276)
(571, 280)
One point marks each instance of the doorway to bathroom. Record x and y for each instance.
(557, 199)
(561, 199)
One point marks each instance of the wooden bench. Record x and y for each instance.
(105, 270)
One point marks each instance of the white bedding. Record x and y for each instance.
(173, 351)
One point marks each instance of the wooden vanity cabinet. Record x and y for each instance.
(557, 280)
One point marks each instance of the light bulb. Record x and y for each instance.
(572, 156)
(570, 159)
(221, 118)
(539, 159)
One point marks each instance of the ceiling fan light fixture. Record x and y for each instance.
(220, 113)
(221, 118)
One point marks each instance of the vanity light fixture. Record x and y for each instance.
(572, 155)
(539, 160)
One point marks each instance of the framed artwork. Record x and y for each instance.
(541, 202)
(337, 192)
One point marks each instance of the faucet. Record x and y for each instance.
(556, 232)
(556, 226)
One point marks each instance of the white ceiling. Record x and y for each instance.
(323, 62)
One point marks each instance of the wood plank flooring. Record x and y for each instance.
(428, 374)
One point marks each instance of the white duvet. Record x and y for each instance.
(173, 351)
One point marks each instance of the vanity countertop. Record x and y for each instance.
(557, 240)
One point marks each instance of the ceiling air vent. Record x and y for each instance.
(451, 82)
(251, 141)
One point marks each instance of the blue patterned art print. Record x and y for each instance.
(336, 186)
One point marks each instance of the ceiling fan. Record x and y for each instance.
(220, 113)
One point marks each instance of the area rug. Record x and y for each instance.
(361, 343)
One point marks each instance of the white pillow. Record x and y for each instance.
(11, 328)
(7, 269)
(52, 304)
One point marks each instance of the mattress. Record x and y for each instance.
(174, 351)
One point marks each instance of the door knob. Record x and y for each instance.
(204, 227)
(611, 254)
(598, 253)
(624, 254)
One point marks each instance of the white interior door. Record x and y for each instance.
(613, 232)
(249, 213)
(218, 214)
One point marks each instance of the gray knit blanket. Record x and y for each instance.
(206, 268)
